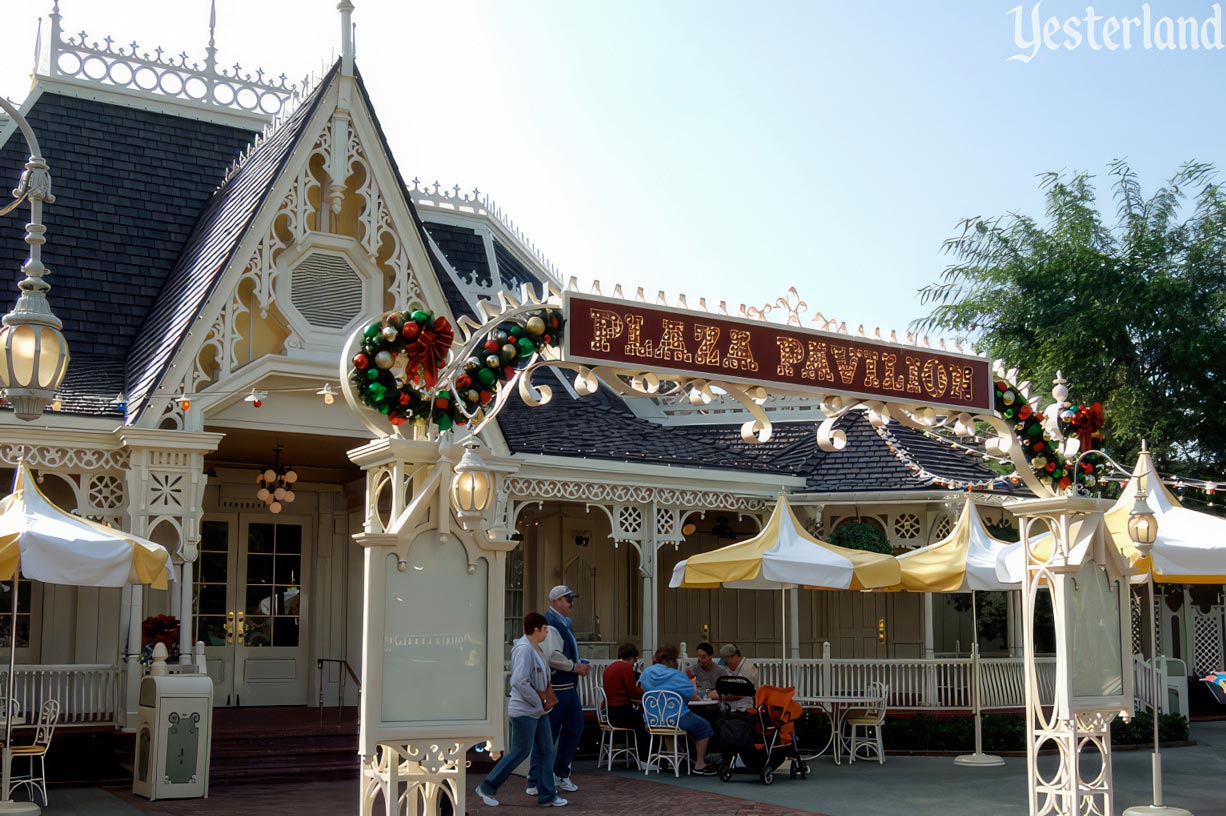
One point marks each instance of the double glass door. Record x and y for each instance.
(249, 611)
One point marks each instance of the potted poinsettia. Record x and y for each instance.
(157, 629)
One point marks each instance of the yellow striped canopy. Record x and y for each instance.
(1190, 547)
(784, 555)
(56, 547)
(963, 561)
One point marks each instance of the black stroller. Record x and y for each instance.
(762, 737)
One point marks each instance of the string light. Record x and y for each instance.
(185, 402)
(920, 472)
(326, 393)
(256, 398)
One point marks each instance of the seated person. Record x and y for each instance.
(663, 674)
(740, 667)
(706, 671)
(624, 693)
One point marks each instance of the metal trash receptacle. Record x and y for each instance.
(174, 732)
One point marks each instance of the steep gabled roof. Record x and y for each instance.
(208, 251)
(129, 186)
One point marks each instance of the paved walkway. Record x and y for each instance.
(917, 786)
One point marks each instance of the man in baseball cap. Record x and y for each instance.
(566, 718)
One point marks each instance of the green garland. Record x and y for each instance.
(1041, 452)
(422, 342)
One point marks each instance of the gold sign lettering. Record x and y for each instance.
(679, 344)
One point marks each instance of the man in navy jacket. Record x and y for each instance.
(562, 651)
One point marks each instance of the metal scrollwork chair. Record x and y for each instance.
(662, 712)
(866, 728)
(36, 752)
(609, 732)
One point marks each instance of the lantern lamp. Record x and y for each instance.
(472, 488)
(1142, 524)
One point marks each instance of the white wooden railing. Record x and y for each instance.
(939, 683)
(1171, 676)
(88, 693)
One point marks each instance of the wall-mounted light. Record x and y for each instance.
(583, 539)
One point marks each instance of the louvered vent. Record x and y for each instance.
(326, 290)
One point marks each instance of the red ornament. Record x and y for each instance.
(486, 396)
(404, 398)
(1025, 411)
(508, 372)
(492, 346)
(1065, 482)
(441, 403)
(1038, 445)
(360, 361)
(1050, 466)
(463, 381)
(410, 330)
(396, 420)
(257, 403)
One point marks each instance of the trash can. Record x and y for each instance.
(174, 731)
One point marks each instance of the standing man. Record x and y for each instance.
(562, 651)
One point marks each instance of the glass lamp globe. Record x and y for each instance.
(472, 488)
(1142, 525)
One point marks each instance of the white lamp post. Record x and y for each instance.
(33, 352)
(1143, 530)
(472, 489)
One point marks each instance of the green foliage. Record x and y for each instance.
(1001, 732)
(860, 535)
(1131, 311)
(1140, 731)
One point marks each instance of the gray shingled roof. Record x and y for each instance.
(129, 185)
(208, 252)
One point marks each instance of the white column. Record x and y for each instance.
(136, 671)
(174, 595)
(186, 624)
(649, 570)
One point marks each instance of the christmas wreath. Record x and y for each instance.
(396, 370)
(1042, 453)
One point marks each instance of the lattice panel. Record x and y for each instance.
(1208, 641)
(629, 519)
(945, 526)
(1138, 623)
(906, 526)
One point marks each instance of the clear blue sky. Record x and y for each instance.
(719, 149)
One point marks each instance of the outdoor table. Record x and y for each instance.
(836, 707)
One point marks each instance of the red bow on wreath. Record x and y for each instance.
(428, 351)
(1087, 422)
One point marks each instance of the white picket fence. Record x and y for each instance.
(939, 683)
(88, 693)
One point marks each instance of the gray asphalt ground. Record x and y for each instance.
(1194, 779)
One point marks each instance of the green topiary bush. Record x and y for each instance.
(860, 535)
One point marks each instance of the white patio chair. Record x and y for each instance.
(662, 712)
(608, 734)
(866, 728)
(36, 752)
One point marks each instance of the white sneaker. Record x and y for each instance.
(564, 783)
(558, 801)
(531, 791)
(648, 767)
(489, 800)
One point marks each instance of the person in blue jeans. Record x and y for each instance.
(562, 652)
(530, 731)
(663, 674)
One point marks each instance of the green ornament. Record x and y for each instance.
(419, 316)
(372, 331)
(526, 346)
(372, 374)
(377, 391)
(444, 423)
(485, 376)
(1035, 429)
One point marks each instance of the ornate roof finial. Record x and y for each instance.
(212, 23)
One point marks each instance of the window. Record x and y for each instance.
(24, 590)
(513, 624)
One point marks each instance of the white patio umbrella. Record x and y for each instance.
(44, 543)
(963, 561)
(785, 556)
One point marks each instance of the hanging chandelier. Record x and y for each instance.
(276, 483)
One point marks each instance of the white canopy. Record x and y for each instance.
(56, 547)
(784, 556)
(963, 561)
(1191, 546)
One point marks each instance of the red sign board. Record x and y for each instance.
(640, 337)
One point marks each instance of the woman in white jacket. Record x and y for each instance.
(530, 731)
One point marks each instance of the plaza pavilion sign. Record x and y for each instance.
(671, 342)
